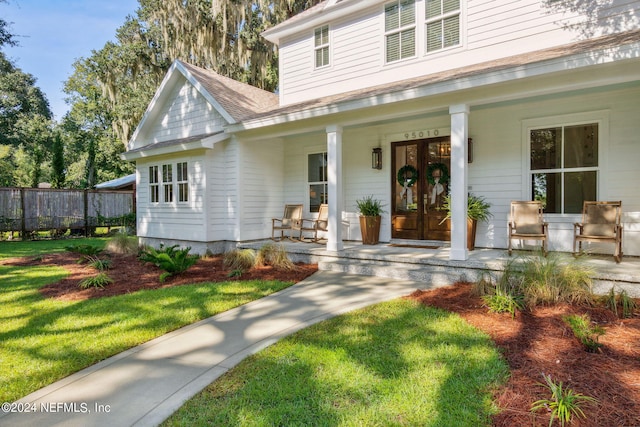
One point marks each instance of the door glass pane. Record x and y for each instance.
(579, 186)
(317, 167)
(407, 175)
(317, 196)
(437, 175)
(546, 148)
(581, 146)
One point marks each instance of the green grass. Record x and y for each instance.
(9, 249)
(44, 340)
(396, 363)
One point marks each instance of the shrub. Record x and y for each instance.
(169, 258)
(586, 333)
(503, 302)
(564, 403)
(622, 305)
(239, 259)
(123, 243)
(87, 251)
(275, 256)
(100, 280)
(99, 264)
(548, 280)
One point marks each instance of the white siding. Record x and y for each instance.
(176, 220)
(222, 191)
(186, 113)
(494, 29)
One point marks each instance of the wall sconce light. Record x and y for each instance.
(376, 158)
(470, 150)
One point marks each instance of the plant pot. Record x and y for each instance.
(370, 229)
(471, 233)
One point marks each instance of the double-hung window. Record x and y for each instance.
(183, 182)
(167, 183)
(317, 179)
(442, 19)
(400, 30)
(321, 37)
(154, 185)
(564, 166)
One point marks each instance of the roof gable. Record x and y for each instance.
(231, 100)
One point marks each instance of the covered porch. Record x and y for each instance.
(426, 261)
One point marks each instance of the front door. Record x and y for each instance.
(420, 185)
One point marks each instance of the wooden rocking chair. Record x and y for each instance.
(601, 222)
(527, 223)
(290, 220)
(314, 225)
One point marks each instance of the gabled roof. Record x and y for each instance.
(118, 182)
(239, 100)
(233, 100)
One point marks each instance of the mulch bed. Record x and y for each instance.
(540, 342)
(533, 343)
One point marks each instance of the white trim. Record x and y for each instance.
(569, 64)
(205, 143)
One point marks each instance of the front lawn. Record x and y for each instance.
(44, 340)
(395, 363)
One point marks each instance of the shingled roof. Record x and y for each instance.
(240, 100)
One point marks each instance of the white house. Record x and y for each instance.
(508, 100)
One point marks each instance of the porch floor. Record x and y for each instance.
(429, 261)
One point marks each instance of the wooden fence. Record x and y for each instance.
(36, 209)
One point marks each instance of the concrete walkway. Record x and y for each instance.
(145, 385)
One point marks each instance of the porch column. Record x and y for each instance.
(334, 179)
(459, 135)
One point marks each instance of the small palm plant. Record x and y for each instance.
(564, 403)
(168, 258)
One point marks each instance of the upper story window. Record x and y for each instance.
(321, 37)
(442, 19)
(154, 186)
(564, 166)
(400, 30)
(167, 183)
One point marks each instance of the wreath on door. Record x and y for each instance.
(407, 176)
(444, 173)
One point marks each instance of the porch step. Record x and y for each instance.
(434, 275)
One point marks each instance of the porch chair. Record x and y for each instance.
(314, 225)
(601, 222)
(527, 223)
(291, 219)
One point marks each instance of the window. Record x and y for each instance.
(400, 30)
(167, 183)
(183, 182)
(321, 37)
(564, 166)
(317, 178)
(443, 24)
(154, 190)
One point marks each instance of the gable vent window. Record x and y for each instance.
(321, 37)
(400, 30)
(443, 24)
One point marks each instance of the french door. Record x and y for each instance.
(420, 184)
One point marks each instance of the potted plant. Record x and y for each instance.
(370, 210)
(477, 210)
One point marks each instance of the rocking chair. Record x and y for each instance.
(527, 223)
(314, 225)
(601, 222)
(290, 220)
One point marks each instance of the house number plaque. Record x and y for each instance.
(420, 134)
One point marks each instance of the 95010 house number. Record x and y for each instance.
(421, 134)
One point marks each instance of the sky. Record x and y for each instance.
(53, 34)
